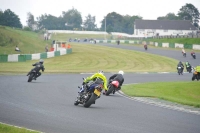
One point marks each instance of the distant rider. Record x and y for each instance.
(183, 52)
(192, 53)
(38, 66)
(197, 69)
(188, 66)
(145, 46)
(117, 77)
(180, 64)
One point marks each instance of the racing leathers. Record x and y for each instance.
(116, 77)
(188, 66)
(180, 64)
(97, 79)
(197, 69)
(38, 66)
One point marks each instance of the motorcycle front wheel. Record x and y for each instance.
(90, 101)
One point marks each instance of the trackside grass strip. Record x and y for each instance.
(187, 93)
(12, 129)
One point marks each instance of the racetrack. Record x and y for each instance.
(47, 104)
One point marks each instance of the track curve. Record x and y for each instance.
(47, 105)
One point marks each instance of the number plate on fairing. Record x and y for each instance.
(98, 93)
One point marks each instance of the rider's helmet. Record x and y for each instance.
(121, 72)
(41, 61)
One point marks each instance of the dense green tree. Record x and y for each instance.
(9, 18)
(89, 23)
(72, 19)
(30, 20)
(169, 16)
(118, 23)
(189, 12)
(50, 22)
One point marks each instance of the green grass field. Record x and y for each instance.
(11, 129)
(187, 93)
(91, 58)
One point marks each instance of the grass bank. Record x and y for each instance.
(91, 58)
(187, 93)
(27, 41)
(12, 129)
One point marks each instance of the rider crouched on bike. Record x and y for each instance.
(180, 64)
(197, 69)
(188, 66)
(192, 53)
(97, 79)
(38, 66)
(117, 77)
(183, 52)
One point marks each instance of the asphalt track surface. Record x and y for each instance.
(47, 104)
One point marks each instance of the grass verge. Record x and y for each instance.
(187, 93)
(91, 58)
(4, 128)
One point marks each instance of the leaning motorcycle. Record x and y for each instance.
(195, 76)
(145, 47)
(112, 87)
(88, 97)
(184, 54)
(179, 70)
(193, 55)
(189, 69)
(31, 75)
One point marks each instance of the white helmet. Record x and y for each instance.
(121, 72)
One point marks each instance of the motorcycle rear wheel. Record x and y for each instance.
(110, 90)
(30, 78)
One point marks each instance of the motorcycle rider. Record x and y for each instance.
(38, 66)
(197, 69)
(118, 77)
(97, 78)
(180, 64)
(145, 46)
(192, 53)
(183, 52)
(188, 66)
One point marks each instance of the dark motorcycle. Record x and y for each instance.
(145, 47)
(180, 71)
(193, 55)
(195, 76)
(31, 75)
(112, 87)
(118, 42)
(88, 97)
(189, 69)
(184, 54)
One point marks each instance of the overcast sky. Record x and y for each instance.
(148, 9)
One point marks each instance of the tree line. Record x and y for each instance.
(72, 20)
